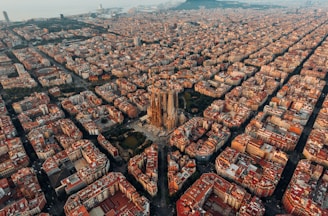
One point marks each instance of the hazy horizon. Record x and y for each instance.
(19, 10)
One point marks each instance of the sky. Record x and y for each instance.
(19, 10)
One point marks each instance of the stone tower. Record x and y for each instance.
(163, 109)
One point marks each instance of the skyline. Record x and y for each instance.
(24, 10)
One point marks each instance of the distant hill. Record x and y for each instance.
(197, 4)
(198, 0)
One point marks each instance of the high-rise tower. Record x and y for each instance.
(6, 16)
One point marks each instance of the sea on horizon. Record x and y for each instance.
(19, 10)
